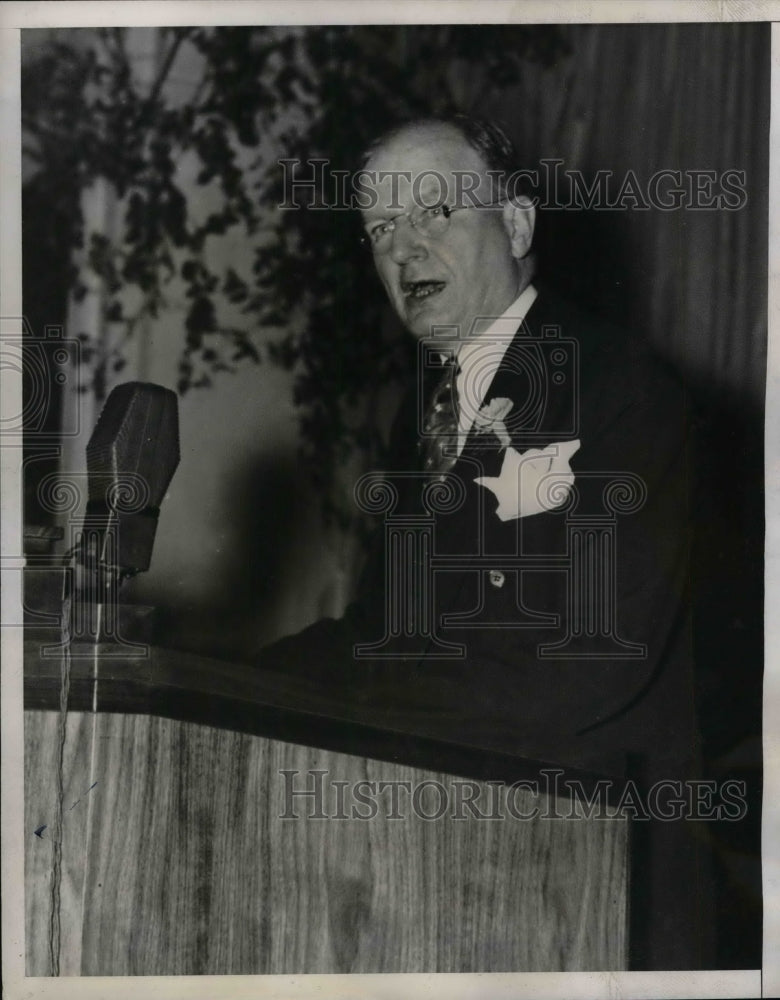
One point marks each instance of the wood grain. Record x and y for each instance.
(187, 866)
(41, 810)
(243, 698)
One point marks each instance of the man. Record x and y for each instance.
(557, 596)
(464, 285)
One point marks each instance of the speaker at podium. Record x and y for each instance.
(189, 816)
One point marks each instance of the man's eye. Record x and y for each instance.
(436, 211)
(377, 232)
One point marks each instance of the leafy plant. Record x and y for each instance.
(309, 302)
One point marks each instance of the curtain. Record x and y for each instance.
(644, 98)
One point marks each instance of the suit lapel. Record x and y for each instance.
(511, 380)
(539, 372)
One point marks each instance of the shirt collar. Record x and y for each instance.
(495, 338)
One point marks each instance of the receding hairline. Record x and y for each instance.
(408, 129)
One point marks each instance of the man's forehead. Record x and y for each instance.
(422, 163)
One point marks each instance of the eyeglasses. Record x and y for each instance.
(431, 222)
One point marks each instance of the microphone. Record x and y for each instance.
(131, 457)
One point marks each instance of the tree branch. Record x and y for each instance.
(154, 93)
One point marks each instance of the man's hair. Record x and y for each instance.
(494, 146)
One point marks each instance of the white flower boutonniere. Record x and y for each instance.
(532, 482)
(491, 417)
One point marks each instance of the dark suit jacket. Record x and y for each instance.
(630, 414)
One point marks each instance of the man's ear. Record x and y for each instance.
(519, 221)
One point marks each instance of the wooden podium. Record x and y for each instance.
(164, 834)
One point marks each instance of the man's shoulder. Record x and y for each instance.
(614, 364)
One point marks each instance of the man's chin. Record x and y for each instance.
(425, 322)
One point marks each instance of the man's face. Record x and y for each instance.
(465, 273)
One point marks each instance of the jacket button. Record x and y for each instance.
(496, 577)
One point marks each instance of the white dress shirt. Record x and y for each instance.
(480, 356)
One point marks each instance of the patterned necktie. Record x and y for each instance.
(439, 445)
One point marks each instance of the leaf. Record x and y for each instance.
(200, 319)
(174, 215)
(114, 313)
(190, 270)
(233, 286)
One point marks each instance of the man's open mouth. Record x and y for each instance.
(421, 289)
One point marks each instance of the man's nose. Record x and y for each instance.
(408, 244)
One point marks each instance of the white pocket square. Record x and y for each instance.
(532, 482)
